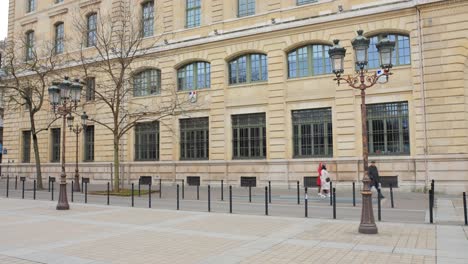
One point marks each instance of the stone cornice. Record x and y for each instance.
(58, 12)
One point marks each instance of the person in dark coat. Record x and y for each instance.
(374, 176)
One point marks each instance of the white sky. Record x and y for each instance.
(3, 18)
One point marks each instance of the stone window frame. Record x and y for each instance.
(305, 2)
(88, 143)
(303, 61)
(193, 13)
(59, 38)
(249, 138)
(246, 8)
(90, 92)
(91, 29)
(29, 45)
(26, 146)
(247, 60)
(147, 82)
(146, 145)
(31, 6)
(194, 76)
(194, 138)
(55, 140)
(311, 127)
(147, 18)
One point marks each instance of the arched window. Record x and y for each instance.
(309, 60)
(193, 76)
(59, 35)
(147, 18)
(248, 68)
(91, 30)
(147, 82)
(29, 52)
(401, 55)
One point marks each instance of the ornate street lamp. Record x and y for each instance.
(64, 97)
(363, 80)
(77, 130)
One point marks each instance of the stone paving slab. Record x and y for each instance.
(34, 232)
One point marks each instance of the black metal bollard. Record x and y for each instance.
(82, 186)
(7, 185)
(433, 192)
(177, 196)
(48, 189)
(430, 207)
(379, 214)
(298, 194)
(108, 192)
(269, 191)
(34, 190)
(22, 193)
(391, 195)
(250, 193)
(354, 193)
(52, 190)
(160, 188)
(139, 187)
(133, 195)
(222, 190)
(334, 203)
(16, 182)
(331, 196)
(198, 192)
(266, 200)
(71, 191)
(230, 199)
(464, 208)
(86, 192)
(183, 189)
(209, 198)
(306, 207)
(149, 195)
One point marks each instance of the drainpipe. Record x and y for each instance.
(423, 93)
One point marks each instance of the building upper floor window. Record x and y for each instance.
(148, 19)
(401, 55)
(147, 82)
(147, 141)
(303, 2)
(58, 1)
(194, 138)
(30, 6)
(90, 88)
(388, 128)
(193, 76)
(245, 8)
(249, 136)
(248, 68)
(29, 45)
(26, 157)
(312, 133)
(91, 32)
(309, 60)
(59, 38)
(55, 146)
(193, 13)
(89, 143)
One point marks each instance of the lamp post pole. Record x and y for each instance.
(77, 130)
(63, 200)
(362, 81)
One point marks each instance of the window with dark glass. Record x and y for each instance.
(193, 13)
(90, 88)
(312, 133)
(55, 148)
(194, 76)
(147, 82)
(309, 61)
(29, 45)
(245, 8)
(58, 1)
(91, 34)
(148, 19)
(249, 136)
(388, 128)
(147, 141)
(59, 35)
(400, 56)
(26, 157)
(89, 143)
(303, 2)
(248, 68)
(194, 139)
(31, 6)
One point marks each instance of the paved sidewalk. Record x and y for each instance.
(34, 232)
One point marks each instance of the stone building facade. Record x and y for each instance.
(268, 105)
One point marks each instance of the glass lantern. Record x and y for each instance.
(84, 118)
(65, 89)
(54, 94)
(70, 119)
(337, 54)
(360, 46)
(385, 47)
(75, 91)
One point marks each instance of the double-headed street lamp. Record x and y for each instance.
(64, 97)
(77, 130)
(363, 80)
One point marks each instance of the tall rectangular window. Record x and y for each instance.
(245, 8)
(29, 45)
(312, 133)
(26, 157)
(31, 6)
(388, 128)
(147, 141)
(90, 88)
(91, 34)
(194, 138)
(89, 143)
(249, 136)
(148, 19)
(55, 148)
(303, 2)
(59, 36)
(193, 13)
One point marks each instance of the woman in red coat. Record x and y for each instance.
(319, 182)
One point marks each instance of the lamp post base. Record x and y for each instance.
(367, 225)
(63, 200)
(76, 184)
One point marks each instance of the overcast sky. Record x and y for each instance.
(3, 18)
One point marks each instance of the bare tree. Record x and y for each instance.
(29, 69)
(118, 42)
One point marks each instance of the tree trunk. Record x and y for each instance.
(37, 158)
(116, 164)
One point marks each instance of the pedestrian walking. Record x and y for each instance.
(375, 178)
(325, 182)
(319, 181)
